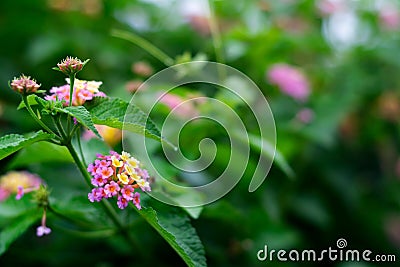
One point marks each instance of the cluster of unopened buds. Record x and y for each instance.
(71, 65)
(118, 176)
(24, 85)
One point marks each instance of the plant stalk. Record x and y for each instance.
(217, 41)
(29, 108)
(71, 94)
(144, 44)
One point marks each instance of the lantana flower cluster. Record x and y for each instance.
(18, 182)
(118, 176)
(83, 91)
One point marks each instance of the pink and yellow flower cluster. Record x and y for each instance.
(118, 176)
(83, 91)
(18, 182)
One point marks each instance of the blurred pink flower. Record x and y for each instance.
(142, 68)
(389, 17)
(392, 228)
(292, 24)
(200, 24)
(174, 102)
(19, 182)
(134, 85)
(328, 7)
(290, 80)
(305, 115)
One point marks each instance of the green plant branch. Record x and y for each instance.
(60, 129)
(144, 44)
(29, 108)
(72, 132)
(79, 163)
(56, 125)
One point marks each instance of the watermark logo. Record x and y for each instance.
(227, 84)
(338, 253)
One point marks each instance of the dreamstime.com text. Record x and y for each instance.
(333, 254)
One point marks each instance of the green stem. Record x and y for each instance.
(217, 41)
(29, 108)
(105, 204)
(71, 134)
(71, 94)
(56, 125)
(78, 138)
(55, 141)
(79, 163)
(60, 129)
(144, 44)
(71, 87)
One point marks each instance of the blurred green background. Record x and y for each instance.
(345, 157)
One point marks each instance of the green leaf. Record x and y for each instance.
(11, 208)
(41, 152)
(174, 226)
(112, 112)
(15, 229)
(82, 115)
(31, 101)
(13, 142)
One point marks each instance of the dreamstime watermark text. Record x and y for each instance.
(338, 253)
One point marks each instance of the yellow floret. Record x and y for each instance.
(123, 178)
(116, 162)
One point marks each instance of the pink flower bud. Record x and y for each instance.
(71, 65)
(142, 68)
(24, 85)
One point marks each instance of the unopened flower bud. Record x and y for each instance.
(71, 65)
(24, 85)
(41, 196)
